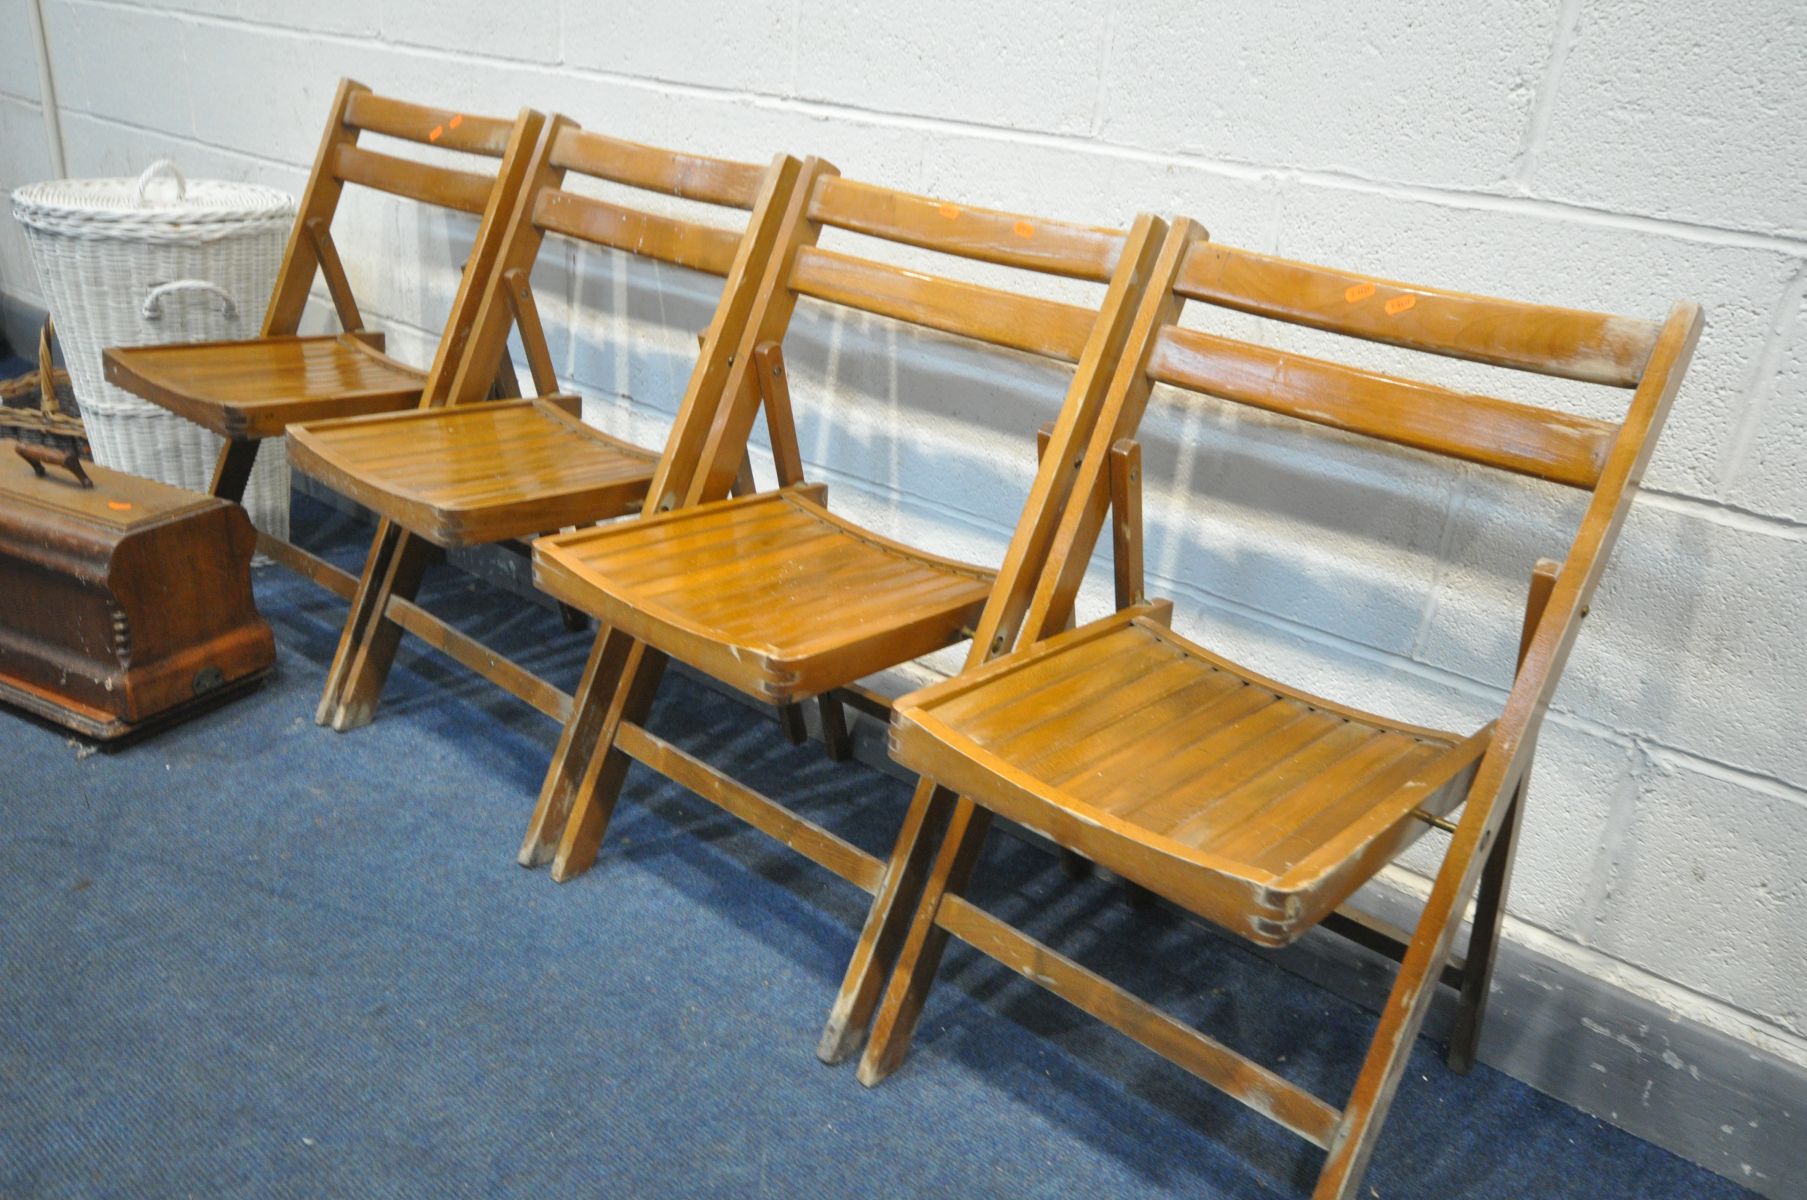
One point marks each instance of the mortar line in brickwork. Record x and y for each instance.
(1455, 497)
(1615, 837)
(1684, 1002)
(1790, 244)
(790, 81)
(1543, 98)
(187, 139)
(1726, 515)
(1751, 781)
(1762, 389)
(1104, 71)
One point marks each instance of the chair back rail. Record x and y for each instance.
(1006, 239)
(547, 206)
(341, 160)
(428, 183)
(470, 133)
(1507, 435)
(1006, 317)
(1027, 323)
(1572, 344)
(1540, 442)
(718, 181)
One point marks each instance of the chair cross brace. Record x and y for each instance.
(338, 285)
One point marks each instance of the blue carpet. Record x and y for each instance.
(251, 957)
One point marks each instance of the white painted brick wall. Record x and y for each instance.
(1614, 155)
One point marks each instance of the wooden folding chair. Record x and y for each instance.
(457, 472)
(778, 596)
(250, 390)
(1239, 798)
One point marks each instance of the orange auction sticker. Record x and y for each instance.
(119, 505)
(1358, 292)
(1399, 304)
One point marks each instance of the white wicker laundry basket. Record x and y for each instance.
(158, 259)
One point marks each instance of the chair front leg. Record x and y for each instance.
(368, 645)
(1359, 1129)
(886, 922)
(376, 566)
(232, 470)
(921, 955)
(593, 800)
(589, 709)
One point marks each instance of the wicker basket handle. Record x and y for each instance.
(162, 168)
(41, 456)
(152, 308)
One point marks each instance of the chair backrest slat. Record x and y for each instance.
(1053, 247)
(1588, 346)
(1028, 323)
(1548, 444)
(341, 161)
(715, 181)
(735, 253)
(429, 183)
(468, 132)
(1543, 443)
(707, 248)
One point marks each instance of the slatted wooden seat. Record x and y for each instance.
(466, 470)
(1249, 803)
(783, 599)
(486, 473)
(1151, 755)
(773, 594)
(254, 389)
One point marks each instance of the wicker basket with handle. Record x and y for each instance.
(153, 260)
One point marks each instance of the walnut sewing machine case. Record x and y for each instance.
(124, 603)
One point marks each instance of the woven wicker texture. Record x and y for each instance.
(132, 262)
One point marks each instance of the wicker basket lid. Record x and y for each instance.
(159, 205)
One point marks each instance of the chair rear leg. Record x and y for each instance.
(593, 801)
(886, 922)
(1496, 875)
(362, 684)
(920, 957)
(790, 720)
(834, 727)
(589, 709)
(1483, 941)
